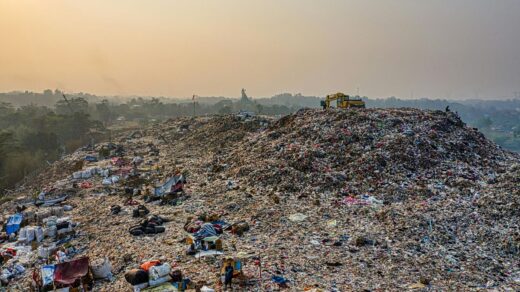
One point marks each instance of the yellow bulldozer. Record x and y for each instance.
(342, 101)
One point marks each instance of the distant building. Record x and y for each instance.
(244, 98)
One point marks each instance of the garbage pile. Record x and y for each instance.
(158, 275)
(335, 200)
(42, 245)
(382, 199)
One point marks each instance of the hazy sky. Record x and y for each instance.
(434, 48)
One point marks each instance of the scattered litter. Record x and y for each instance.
(298, 217)
(336, 200)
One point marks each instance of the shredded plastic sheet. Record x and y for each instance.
(69, 272)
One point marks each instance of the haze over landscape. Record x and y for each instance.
(437, 49)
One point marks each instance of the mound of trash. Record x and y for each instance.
(336, 200)
(374, 151)
(384, 198)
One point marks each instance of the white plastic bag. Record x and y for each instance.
(38, 232)
(51, 231)
(30, 234)
(159, 281)
(157, 272)
(102, 269)
(206, 289)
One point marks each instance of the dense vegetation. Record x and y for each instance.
(33, 136)
(37, 128)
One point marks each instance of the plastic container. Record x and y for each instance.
(13, 225)
(159, 271)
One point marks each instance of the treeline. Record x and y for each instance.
(46, 98)
(34, 133)
(32, 136)
(140, 109)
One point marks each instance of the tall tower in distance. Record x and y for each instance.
(244, 98)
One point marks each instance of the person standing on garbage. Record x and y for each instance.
(228, 277)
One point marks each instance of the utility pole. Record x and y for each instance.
(68, 103)
(193, 99)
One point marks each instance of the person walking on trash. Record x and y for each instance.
(228, 277)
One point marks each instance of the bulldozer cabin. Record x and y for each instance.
(342, 101)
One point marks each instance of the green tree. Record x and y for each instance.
(225, 110)
(484, 123)
(259, 108)
(104, 112)
(516, 132)
(74, 105)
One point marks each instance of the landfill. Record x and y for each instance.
(319, 200)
